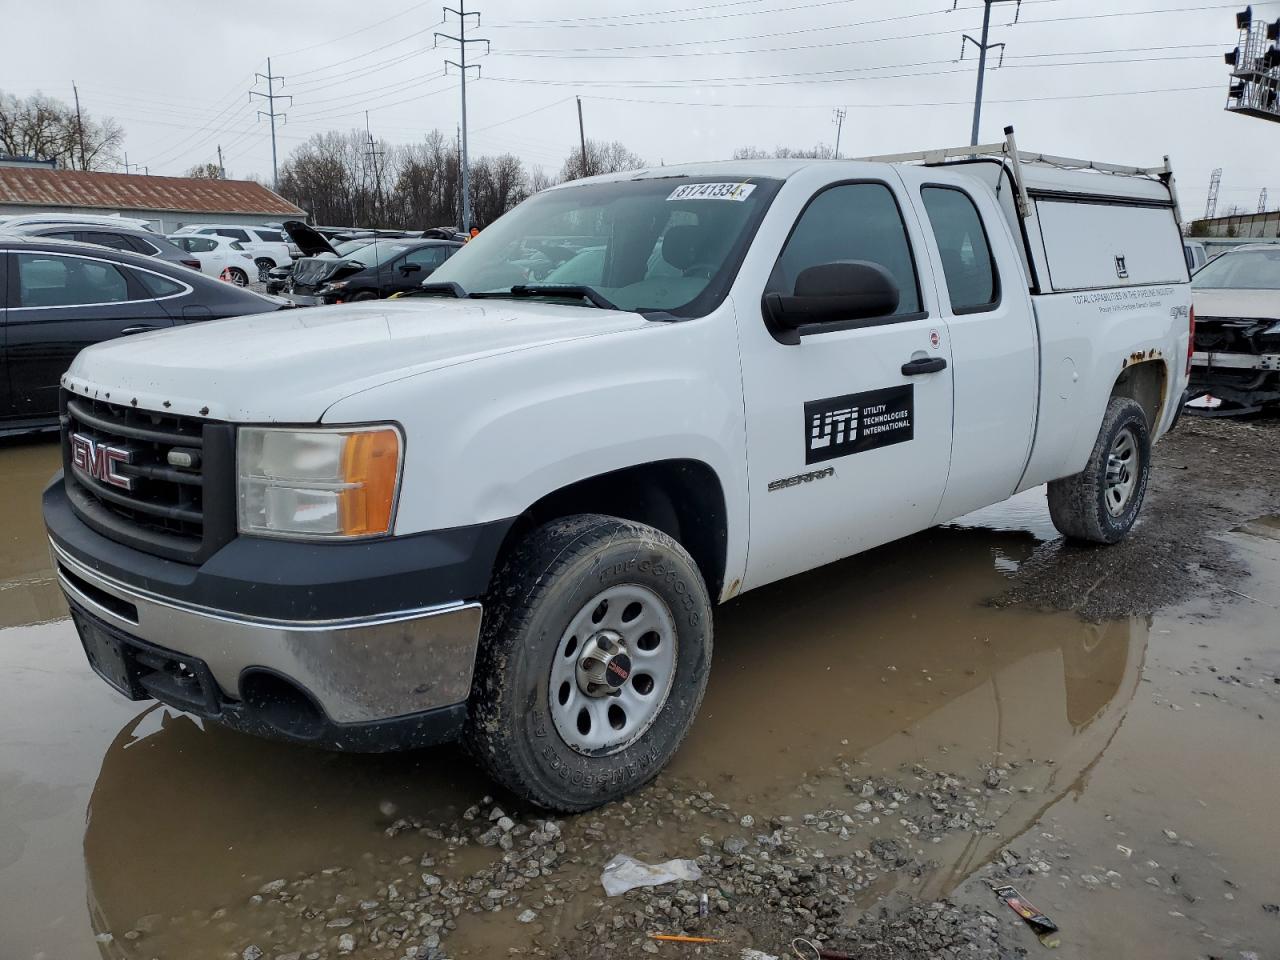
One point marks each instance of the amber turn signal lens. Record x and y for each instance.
(370, 470)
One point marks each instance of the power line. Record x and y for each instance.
(592, 53)
(360, 56)
(352, 33)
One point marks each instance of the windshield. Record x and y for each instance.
(666, 244)
(1241, 270)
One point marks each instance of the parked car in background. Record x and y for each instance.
(131, 239)
(363, 269)
(61, 296)
(278, 278)
(269, 245)
(1237, 349)
(1197, 255)
(215, 255)
(36, 219)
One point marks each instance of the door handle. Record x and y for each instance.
(139, 328)
(915, 368)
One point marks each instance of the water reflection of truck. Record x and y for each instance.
(505, 513)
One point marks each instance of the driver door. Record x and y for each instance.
(848, 429)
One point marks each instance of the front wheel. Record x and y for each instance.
(593, 661)
(265, 265)
(1100, 504)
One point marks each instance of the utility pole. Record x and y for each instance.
(838, 118)
(127, 164)
(374, 153)
(582, 139)
(1211, 204)
(271, 97)
(79, 125)
(984, 47)
(222, 171)
(462, 40)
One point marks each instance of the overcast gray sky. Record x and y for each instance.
(672, 82)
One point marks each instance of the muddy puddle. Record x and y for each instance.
(128, 830)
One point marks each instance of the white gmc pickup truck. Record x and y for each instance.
(503, 509)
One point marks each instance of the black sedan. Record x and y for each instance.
(58, 297)
(378, 269)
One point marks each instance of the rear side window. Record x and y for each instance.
(104, 239)
(852, 221)
(236, 245)
(270, 236)
(47, 280)
(62, 235)
(200, 245)
(144, 247)
(157, 285)
(970, 270)
(233, 234)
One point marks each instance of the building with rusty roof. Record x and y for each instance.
(166, 202)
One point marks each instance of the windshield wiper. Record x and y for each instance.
(572, 291)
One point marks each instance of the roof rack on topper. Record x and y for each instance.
(1007, 149)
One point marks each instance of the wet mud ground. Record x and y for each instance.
(881, 742)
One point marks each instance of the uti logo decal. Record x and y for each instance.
(99, 461)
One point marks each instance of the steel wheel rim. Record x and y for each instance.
(1124, 465)
(636, 622)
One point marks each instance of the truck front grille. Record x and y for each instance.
(123, 481)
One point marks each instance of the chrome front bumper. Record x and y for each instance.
(359, 670)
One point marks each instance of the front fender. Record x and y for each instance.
(486, 439)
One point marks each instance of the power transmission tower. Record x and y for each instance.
(79, 126)
(374, 154)
(984, 47)
(838, 119)
(1262, 201)
(1211, 205)
(271, 97)
(462, 40)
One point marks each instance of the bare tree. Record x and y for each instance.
(601, 158)
(819, 152)
(45, 128)
(205, 171)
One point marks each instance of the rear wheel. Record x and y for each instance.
(1100, 504)
(238, 276)
(593, 661)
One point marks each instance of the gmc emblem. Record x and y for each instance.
(98, 461)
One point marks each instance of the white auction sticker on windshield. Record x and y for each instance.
(712, 191)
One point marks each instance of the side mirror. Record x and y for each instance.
(832, 293)
(410, 267)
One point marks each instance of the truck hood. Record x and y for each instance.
(291, 366)
(1237, 304)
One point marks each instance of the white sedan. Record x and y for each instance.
(219, 257)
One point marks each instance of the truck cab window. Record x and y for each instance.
(970, 270)
(852, 221)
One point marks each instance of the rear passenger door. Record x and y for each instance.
(984, 301)
(58, 304)
(849, 430)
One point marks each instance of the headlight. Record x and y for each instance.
(321, 483)
(334, 285)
